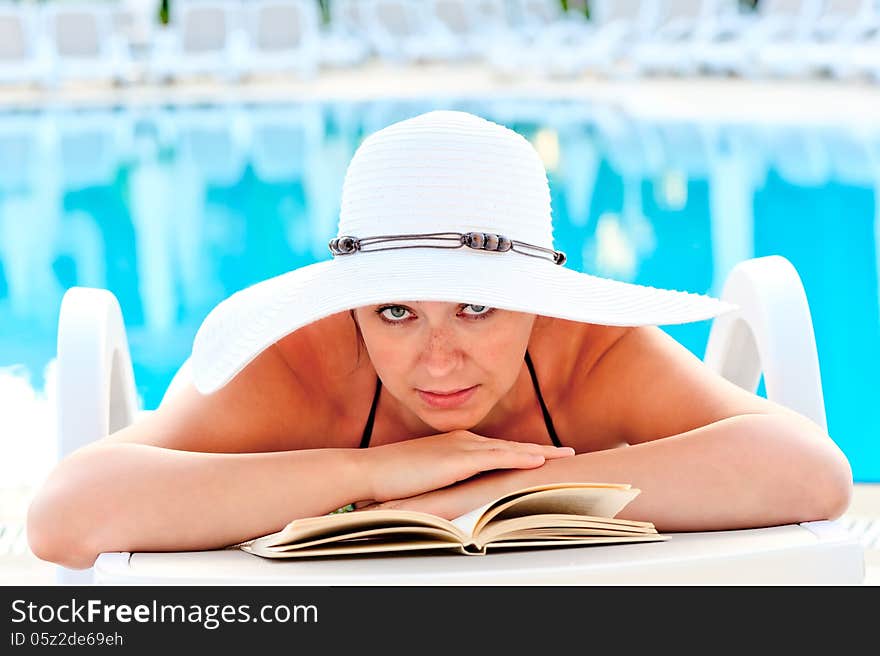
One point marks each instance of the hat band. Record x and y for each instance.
(485, 241)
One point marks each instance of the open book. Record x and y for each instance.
(541, 516)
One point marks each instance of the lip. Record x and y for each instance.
(446, 401)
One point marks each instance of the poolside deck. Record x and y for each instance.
(712, 98)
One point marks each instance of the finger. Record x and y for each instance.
(547, 450)
(505, 458)
(560, 452)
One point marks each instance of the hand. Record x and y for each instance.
(456, 500)
(412, 467)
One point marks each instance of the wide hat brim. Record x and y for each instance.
(241, 327)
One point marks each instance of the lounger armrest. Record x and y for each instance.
(96, 390)
(772, 332)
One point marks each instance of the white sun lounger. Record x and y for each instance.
(827, 46)
(735, 43)
(853, 47)
(85, 46)
(475, 26)
(283, 36)
(680, 25)
(25, 53)
(344, 40)
(570, 46)
(405, 31)
(204, 38)
(771, 333)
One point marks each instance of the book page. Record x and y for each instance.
(561, 524)
(593, 499)
(345, 549)
(358, 538)
(551, 526)
(466, 523)
(339, 526)
(656, 537)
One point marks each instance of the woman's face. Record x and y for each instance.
(422, 347)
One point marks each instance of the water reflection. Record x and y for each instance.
(174, 208)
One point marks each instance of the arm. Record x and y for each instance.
(740, 472)
(138, 497)
(201, 472)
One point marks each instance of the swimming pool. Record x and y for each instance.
(173, 208)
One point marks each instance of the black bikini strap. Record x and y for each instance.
(547, 419)
(368, 429)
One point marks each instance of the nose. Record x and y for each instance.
(442, 354)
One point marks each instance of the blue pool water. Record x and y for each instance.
(175, 208)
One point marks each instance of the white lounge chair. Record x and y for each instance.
(403, 31)
(827, 46)
(851, 48)
(85, 44)
(344, 40)
(25, 53)
(283, 36)
(204, 38)
(735, 43)
(678, 25)
(570, 47)
(772, 332)
(474, 25)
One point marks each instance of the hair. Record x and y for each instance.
(360, 338)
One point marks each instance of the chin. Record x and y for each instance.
(446, 421)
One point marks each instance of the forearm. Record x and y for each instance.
(136, 497)
(745, 471)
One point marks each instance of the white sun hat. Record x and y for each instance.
(445, 206)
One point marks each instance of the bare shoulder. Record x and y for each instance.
(565, 353)
(278, 402)
(336, 379)
(641, 384)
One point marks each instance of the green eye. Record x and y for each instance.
(395, 313)
(479, 309)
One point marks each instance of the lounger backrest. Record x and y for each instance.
(607, 11)
(13, 41)
(456, 16)
(347, 16)
(398, 18)
(79, 32)
(675, 9)
(203, 28)
(491, 13)
(789, 8)
(280, 26)
(847, 8)
(541, 12)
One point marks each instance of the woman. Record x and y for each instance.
(441, 358)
